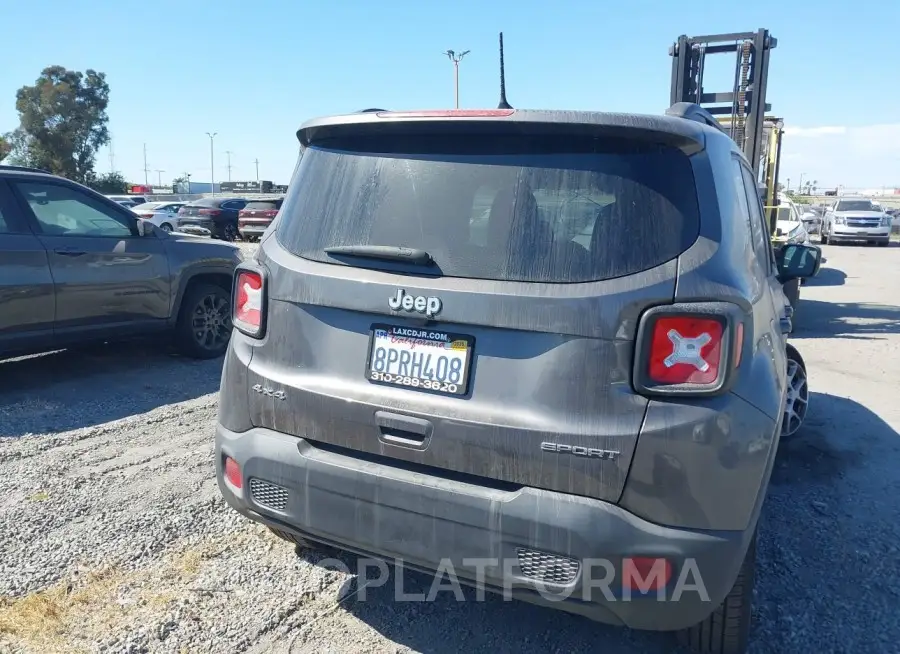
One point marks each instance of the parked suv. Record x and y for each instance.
(255, 218)
(77, 267)
(215, 217)
(547, 348)
(856, 219)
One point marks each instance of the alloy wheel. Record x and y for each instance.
(211, 322)
(796, 402)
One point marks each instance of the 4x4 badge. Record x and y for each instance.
(430, 306)
(269, 392)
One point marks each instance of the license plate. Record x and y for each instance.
(420, 359)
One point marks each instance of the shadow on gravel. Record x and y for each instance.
(828, 277)
(814, 455)
(828, 535)
(852, 320)
(71, 389)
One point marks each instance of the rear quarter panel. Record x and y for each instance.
(705, 463)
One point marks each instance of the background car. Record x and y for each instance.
(77, 268)
(216, 217)
(257, 216)
(789, 227)
(162, 214)
(856, 219)
(132, 199)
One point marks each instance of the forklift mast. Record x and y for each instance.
(742, 110)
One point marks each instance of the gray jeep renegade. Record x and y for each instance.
(547, 347)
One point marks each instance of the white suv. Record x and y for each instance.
(856, 219)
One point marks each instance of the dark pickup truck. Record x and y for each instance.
(76, 267)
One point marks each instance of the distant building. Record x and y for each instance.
(195, 187)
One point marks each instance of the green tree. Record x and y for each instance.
(62, 122)
(5, 147)
(108, 183)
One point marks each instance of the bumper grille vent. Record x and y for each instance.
(548, 568)
(268, 495)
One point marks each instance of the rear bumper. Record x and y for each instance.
(491, 535)
(216, 229)
(252, 230)
(844, 233)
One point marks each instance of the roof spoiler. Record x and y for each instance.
(24, 169)
(693, 111)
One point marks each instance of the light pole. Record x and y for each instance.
(800, 185)
(456, 58)
(212, 163)
(188, 176)
(146, 170)
(256, 163)
(159, 175)
(228, 154)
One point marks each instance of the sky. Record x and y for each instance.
(252, 72)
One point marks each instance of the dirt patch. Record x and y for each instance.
(72, 615)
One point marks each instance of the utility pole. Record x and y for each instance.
(456, 58)
(146, 170)
(256, 163)
(159, 175)
(188, 176)
(788, 184)
(800, 185)
(212, 163)
(228, 154)
(112, 158)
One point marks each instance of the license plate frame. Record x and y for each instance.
(425, 339)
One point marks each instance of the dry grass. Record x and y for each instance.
(42, 620)
(69, 615)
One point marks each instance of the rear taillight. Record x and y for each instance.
(233, 472)
(248, 313)
(270, 213)
(209, 212)
(243, 213)
(146, 215)
(687, 349)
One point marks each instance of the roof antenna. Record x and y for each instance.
(503, 103)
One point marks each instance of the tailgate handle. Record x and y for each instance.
(403, 431)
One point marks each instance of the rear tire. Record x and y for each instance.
(204, 322)
(727, 629)
(166, 227)
(299, 543)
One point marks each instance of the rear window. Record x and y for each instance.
(264, 205)
(518, 208)
(206, 202)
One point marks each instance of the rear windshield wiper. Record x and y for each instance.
(412, 256)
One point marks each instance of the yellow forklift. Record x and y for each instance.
(742, 112)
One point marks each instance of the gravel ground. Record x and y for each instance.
(114, 537)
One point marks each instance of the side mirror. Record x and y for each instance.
(145, 228)
(798, 261)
